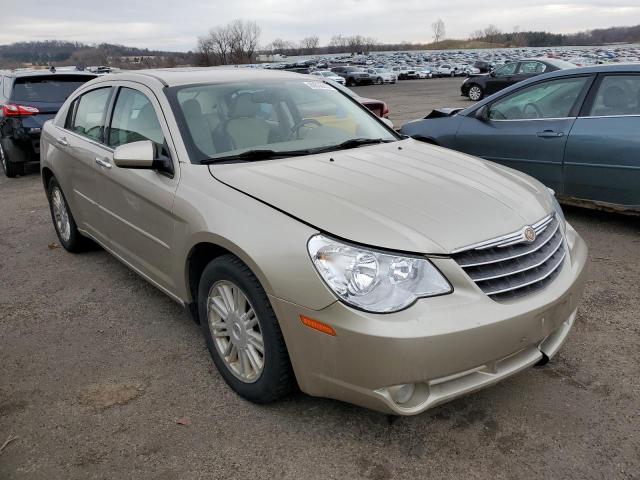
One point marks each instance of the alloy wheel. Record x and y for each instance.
(475, 93)
(235, 329)
(60, 214)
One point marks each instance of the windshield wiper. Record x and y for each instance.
(256, 155)
(352, 143)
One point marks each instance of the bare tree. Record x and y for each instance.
(233, 43)
(491, 34)
(476, 35)
(309, 44)
(438, 30)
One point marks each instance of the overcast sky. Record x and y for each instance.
(176, 25)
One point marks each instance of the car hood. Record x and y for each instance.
(406, 196)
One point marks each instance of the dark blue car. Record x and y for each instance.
(577, 131)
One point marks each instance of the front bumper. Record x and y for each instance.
(447, 346)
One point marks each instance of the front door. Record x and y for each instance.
(137, 205)
(501, 78)
(527, 129)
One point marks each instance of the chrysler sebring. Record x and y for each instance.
(312, 243)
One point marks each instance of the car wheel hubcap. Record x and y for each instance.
(474, 93)
(60, 214)
(236, 332)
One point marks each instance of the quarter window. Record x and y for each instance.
(617, 95)
(553, 99)
(134, 119)
(89, 112)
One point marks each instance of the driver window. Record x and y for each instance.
(553, 99)
(508, 69)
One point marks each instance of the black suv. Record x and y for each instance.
(478, 86)
(28, 99)
(353, 75)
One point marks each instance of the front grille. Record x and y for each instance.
(510, 266)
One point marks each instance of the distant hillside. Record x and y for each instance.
(55, 52)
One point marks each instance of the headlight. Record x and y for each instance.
(372, 280)
(558, 210)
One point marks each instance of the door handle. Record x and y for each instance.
(102, 162)
(550, 134)
(62, 141)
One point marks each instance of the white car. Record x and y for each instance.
(329, 76)
(424, 73)
(446, 70)
(381, 75)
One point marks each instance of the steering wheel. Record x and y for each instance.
(295, 130)
(535, 108)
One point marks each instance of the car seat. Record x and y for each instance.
(245, 127)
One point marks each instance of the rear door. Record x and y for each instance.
(137, 205)
(77, 145)
(602, 159)
(527, 129)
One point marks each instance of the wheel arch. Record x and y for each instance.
(47, 175)
(203, 251)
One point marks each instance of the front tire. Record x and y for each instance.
(475, 93)
(11, 158)
(379, 81)
(242, 332)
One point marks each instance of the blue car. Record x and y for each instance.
(577, 131)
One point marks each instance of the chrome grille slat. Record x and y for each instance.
(551, 246)
(505, 267)
(521, 251)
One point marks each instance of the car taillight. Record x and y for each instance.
(11, 110)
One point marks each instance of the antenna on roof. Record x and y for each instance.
(52, 69)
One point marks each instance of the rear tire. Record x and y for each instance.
(64, 223)
(237, 320)
(379, 81)
(475, 93)
(12, 159)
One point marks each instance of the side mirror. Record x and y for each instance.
(387, 122)
(482, 113)
(493, 73)
(135, 155)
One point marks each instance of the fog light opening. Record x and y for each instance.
(401, 394)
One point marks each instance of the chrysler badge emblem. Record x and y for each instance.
(529, 234)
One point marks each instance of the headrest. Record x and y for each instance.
(244, 106)
(192, 108)
(615, 97)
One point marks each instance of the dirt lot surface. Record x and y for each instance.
(103, 376)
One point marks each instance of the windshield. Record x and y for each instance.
(226, 120)
(47, 89)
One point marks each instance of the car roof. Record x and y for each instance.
(615, 68)
(44, 72)
(171, 77)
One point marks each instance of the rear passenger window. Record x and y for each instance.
(617, 95)
(531, 67)
(134, 119)
(88, 114)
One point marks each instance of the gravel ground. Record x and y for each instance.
(102, 376)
